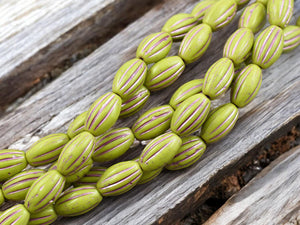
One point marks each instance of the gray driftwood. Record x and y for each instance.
(38, 36)
(172, 195)
(272, 197)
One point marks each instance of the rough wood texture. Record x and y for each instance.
(38, 36)
(272, 197)
(173, 194)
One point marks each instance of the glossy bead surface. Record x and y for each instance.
(268, 47)
(103, 113)
(112, 144)
(201, 8)
(246, 85)
(92, 177)
(11, 163)
(219, 123)
(153, 122)
(159, 151)
(129, 78)
(280, 12)
(190, 115)
(45, 217)
(154, 47)
(164, 73)
(291, 38)
(47, 149)
(77, 125)
(16, 215)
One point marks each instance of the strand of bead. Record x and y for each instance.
(148, 159)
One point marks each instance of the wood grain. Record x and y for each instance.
(173, 194)
(272, 197)
(38, 36)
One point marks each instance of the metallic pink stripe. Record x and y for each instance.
(182, 20)
(160, 115)
(11, 159)
(203, 10)
(229, 69)
(40, 218)
(157, 152)
(241, 83)
(56, 149)
(238, 42)
(10, 153)
(186, 42)
(118, 173)
(189, 149)
(260, 80)
(174, 76)
(156, 126)
(108, 135)
(107, 115)
(133, 88)
(185, 28)
(151, 40)
(187, 91)
(265, 42)
(132, 76)
(271, 46)
(9, 216)
(203, 46)
(104, 97)
(111, 140)
(188, 157)
(186, 109)
(6, 186)
(276, 50)
(225, 14)
(111, 149)
(126, 71)
(22, 175)
(165, 71)
(13, 192)
(74, 197)
(146, 115)
(135, 105)
(293, 39)
(151, 48)
(228, 44)
(160, 50)
(12, 166)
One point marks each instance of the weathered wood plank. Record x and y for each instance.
(38, 36)
(173, 194)
(272, 197)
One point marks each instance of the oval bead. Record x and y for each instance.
(44, 191)
(77, 125)
(190, 115)
(246, 85)
(268, 47)
(239, 45)
(164, 73)
(2, 200)
(11, 163)
(201, 8)
(159, 151)
(153, 122)
(16, 187)
(76, 153)
(280, 12)
(92, 177)
(77, 201)
(178, 25)
(16, 215)
(129, 78)
(185, 91)
(113, 144)
(192, 148)
(119, 178)
(291, 38)
(218, 78)
(149, 175)
(264, 2)
(195, 43)
(220, 14)
(103, 113)
(45, 217)
(241, 3)
(46, 150)
(253, 17)
(219, 123)
(135, 103)
(80, 172)
(154, 47)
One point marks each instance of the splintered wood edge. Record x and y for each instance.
(273, 195)
(81, 24)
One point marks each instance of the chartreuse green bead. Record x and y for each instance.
(76, 153)
(291, 38)
(253, 17)
(159, 151)
(241, 2)
(154, 47)
(179, 24)
(239, 45)
(16, 215)
(219, 123)
(103, 113)
(80, 172)
(119, 178)
(153, 122)
(246, 85)
(113, 144)
(298, 21)
(77, 125)
(201, 8)
(218, 78)
(192, 148)
(220, 14)
(195, 43)
(190, 115)
(44, 191)
(268, 47)
(2, 200)
(264, 2)
(164, 73)
(129, 78)
(92, 177)
(185, 91)
(133, 104)
(77, 201)
(280, 12)
(47, 149)
(45, 217)
(17, 187)
(12, 162)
